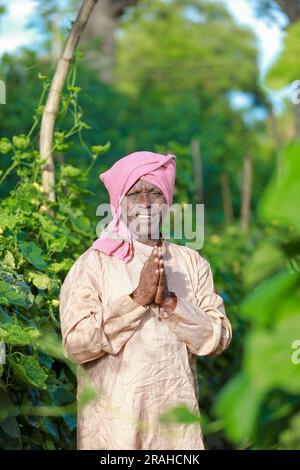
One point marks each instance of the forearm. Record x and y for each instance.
(204, 330)
(103, 330)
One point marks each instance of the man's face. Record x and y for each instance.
(143, 208)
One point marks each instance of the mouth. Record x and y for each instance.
(144, 217)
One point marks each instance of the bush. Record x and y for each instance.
(39, 242)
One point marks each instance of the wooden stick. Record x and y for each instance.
(52, 104)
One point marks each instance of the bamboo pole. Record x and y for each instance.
(52, 104)
(197, 164)
(226, 198)
(246, 193)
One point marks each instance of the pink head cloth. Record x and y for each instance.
(152, 167)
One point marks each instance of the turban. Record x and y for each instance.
(152, 167)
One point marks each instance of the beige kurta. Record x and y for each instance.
(141, 361)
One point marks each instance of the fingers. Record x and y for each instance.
(154, 261)
(152, 257)
(155, 255)
(159, 243)
(160, 257)
(161, 283)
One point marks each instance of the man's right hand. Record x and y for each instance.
(145, 292)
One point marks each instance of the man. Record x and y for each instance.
(135, 312)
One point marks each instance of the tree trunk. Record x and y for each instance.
(98, 40)
(291, 8)
(226, 198)
(277, 138)
(52, 104)
(246, 193)
(198, 174)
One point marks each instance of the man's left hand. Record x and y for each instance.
(164, 298)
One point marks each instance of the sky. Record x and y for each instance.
(13, 32)
(269, 41)
(269, 36)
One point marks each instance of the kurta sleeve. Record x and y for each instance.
(203, 326)
(89, 329)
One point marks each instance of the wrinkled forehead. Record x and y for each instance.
(141, 185)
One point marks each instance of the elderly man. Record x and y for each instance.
(136, 311)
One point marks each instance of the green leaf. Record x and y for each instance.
(290, 438)
(98, 149)
(7, 407)
(21, 141)
(62, 395)
(263, 305)
(15, 335)
(238, 406)
(267, 258)
(51, 344)
(280, 201)
(33, 254)
(62, 147)
(50, 427)
(57, 245)
(5, 145)
(179, 414)
(269, 355)
(64, 265)
(4, 317)
(71, 421)
(70, 171)
(11, 427)
(28, 370)
(8, 259)
(83, 223)
(286, 69)
(75, 89)
(39, 280)
(14, 290)
(8, 220)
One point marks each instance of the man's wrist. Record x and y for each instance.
(169, 303)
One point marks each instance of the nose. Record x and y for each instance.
(145, 200)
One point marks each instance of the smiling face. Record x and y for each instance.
(143, 209)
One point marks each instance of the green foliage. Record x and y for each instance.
(14, 335)
(28, 370)
(286, 69)
(39, 242)
(227, 251)
(180, 414)
(259, 404)
(178, 93)
(184, 57)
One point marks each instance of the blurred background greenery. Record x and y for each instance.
(162, 76)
